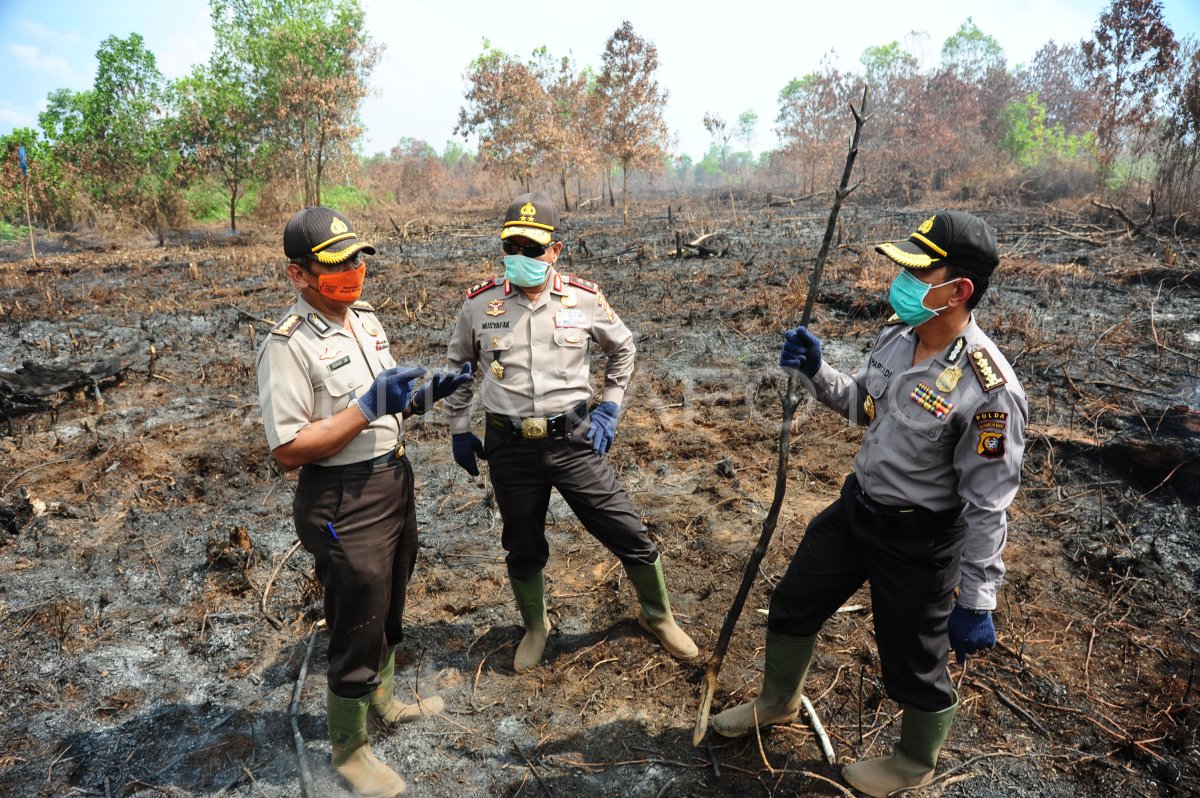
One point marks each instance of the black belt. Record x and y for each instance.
(876, 507)
(535, 428)
(934, 516)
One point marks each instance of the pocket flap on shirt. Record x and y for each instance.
(341, 383)
(570, 337)
(496, 343)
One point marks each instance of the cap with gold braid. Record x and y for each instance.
(324, 235)
(533, 216)
(948, 238)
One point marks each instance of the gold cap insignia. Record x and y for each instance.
(926, 225)
(337, 226)
(528, 211)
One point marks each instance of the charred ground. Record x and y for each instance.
(153, 628)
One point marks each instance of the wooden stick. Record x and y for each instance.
(306, 779)
(278, 624)
(791, 400)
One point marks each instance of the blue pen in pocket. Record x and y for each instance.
(330, 526)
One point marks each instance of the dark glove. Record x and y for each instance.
(439, 386)
(389, 393)
(466, 447)
(970, 631)
(801, 351)
(603, 426)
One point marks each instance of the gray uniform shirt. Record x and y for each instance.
(535, 356)
(946, 432)
(311, 368)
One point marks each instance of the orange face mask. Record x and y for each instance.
(343, 286)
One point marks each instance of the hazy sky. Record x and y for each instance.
(721, 57)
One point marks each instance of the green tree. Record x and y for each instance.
(971, 53)
(119, 135)
(633, 130)
(223, 132)
(307, 64)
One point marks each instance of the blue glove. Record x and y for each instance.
(466, 447)
(801, 351)
(604, 426)
(389, 393)
(970, 631)
(439, 386)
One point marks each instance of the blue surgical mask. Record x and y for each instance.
(908, 298)
(525, 272)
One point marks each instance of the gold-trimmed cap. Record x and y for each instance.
(322, 234)
(533, 216)
(947, 238)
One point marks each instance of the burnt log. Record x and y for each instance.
(33, 384)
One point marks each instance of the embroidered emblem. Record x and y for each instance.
(329, 354)
(569, 299)
(985, 369)
(869, 407)
(948, 379)
(287, 326)
(495, 307)
(528, 212)
(991, 424)
(931, 401)
(318, 323)
(337, 226)
(497, 369)
(337, 364)
(956, 349)
(926, 225)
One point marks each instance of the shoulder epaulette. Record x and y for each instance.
(479, 288)
(892, 320)
(989, 376)
(361, 304)
(586, 285)
(288, 325)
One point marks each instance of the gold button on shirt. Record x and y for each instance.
(317, 370)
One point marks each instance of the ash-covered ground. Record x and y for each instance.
(154, 629)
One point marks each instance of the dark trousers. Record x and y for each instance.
(360, 524)
(911, 560)
(522, 474)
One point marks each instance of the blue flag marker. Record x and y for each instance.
(21, 158)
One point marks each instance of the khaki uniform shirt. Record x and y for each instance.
(311, 368)
(534, 356)
(947, 432)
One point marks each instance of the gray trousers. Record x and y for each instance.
(360, 524)
(522, 474)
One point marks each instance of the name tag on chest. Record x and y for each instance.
(569, 317)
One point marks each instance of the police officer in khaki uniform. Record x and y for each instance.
(529, 333)
(924, 511)
(332, 401)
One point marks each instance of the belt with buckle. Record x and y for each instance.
(539, 427)
(876, 507)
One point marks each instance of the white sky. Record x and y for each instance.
(721, 57)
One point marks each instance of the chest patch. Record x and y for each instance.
(569, 317)
(991, 426)
(495, 307)
(931, 401)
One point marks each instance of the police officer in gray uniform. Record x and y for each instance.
(529, 332)
(924, 511)
(332, 401)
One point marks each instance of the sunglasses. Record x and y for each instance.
(528, 250)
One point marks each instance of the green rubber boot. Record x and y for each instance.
(656, 616)
(352, 756)
(914, 758)
(531, 601)
(787, 660)
(387, 711)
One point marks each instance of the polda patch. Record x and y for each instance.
(992, 425)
